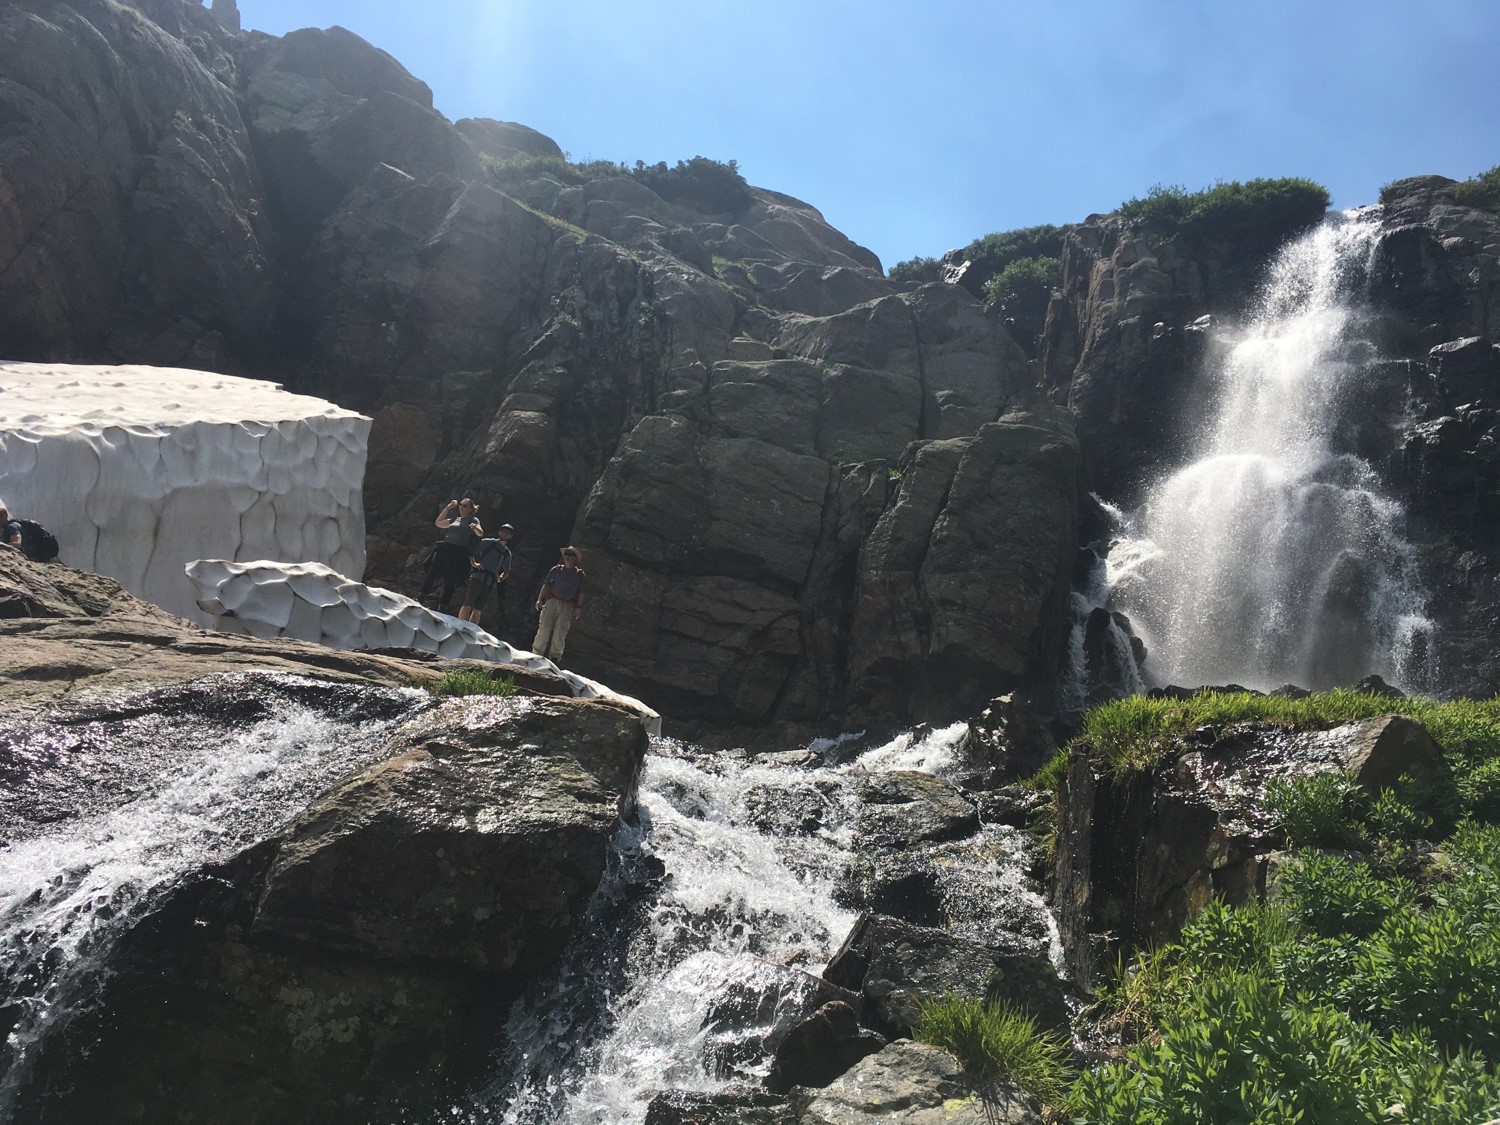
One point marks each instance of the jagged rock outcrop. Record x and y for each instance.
(1140, 853)
(710, 390)
(897, 966)
(359, 959)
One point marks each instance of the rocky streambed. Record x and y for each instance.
(246, 881)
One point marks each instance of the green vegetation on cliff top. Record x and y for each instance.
(710, 185)
(1249, 218)
(989, 256)
(1127, 735)
(1254, 216)
(1481, 191)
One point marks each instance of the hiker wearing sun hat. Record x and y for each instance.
(560, 603)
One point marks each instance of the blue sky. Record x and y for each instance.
(915, 127)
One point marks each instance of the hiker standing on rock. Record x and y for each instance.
(449, 560)
(489, 567)
(559, 603)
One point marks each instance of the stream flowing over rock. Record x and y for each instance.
(256, 881)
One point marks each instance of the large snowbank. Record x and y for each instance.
(139, 471)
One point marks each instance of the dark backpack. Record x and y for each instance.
(37, 543)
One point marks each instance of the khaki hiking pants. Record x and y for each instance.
(552, 628)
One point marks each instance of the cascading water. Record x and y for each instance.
(123, 809)
(1274, 557)
(727, 892)
(728, 887)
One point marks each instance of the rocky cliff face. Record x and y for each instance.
(800, 493)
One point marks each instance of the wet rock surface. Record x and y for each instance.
(234, 934)
(1139, 854)
(897, 965)
(364, 956)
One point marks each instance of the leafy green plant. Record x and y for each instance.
(1478, 790)
(1250, 217)
(915, 270)
(1023, 274)
(1333, 896)
(710, 185)
(1243, 1048)
(1237, 938)
(1324, 810)
(1481, 191)
(995, 1042)
(474, 681)
(1438, 970)
(1395, 814)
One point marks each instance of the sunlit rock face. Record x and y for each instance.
(311, 602)
(139, 471)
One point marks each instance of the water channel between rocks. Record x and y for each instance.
(726, 892)
(737, 881)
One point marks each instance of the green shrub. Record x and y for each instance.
(1023, 274)
(1438, 970)
(1479, 790)
(1245, 1049)
(1481, 191)
(1235, 938)
(1323, 810)
(915, 270)
(474, 681)
(1251, 217)
(1241, 1050)
(997, 1043)
(989, 255)
(1334, 896)
(1397, 813)
(511, 171)
(709, 185)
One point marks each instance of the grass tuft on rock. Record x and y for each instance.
(474, 681)
(997, 1043)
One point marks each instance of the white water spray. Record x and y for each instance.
(1274, 557)
(746, 905)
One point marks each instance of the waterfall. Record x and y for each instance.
(730, 885)
(1274, 557)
